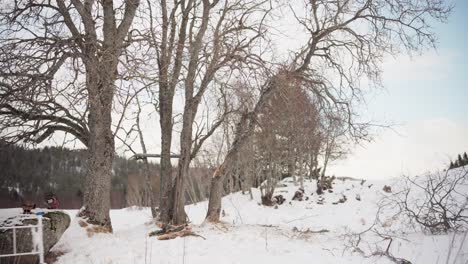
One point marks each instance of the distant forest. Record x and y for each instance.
(459, 162)
(28, 174)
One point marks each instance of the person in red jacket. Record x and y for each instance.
(52, 201)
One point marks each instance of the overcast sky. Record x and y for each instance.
(427, 97)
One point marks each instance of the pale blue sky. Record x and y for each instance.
(437, 83)
(427, 96)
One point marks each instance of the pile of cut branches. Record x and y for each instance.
(171, 232)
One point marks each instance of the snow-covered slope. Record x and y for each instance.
(252, 233)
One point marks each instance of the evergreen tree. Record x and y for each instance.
(465, 159)
(460, 161)
(451, 165)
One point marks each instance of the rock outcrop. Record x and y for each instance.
(54, 225)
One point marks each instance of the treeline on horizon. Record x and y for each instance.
(459, 162)
(27, 174)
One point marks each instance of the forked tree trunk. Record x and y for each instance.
(101, 74)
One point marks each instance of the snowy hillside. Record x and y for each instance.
(295, 232)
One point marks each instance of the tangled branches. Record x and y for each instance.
(442, 201)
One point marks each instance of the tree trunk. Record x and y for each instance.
(291, 162)
(148, 189)
(312, 166)
(216, 194)
(321, 178)
(179, 216)
(100, 81)
(301, 174)
(216, 187)
(165, 191)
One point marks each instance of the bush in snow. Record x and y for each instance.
(437, 202)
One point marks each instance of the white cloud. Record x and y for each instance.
(423, 146)
(432, 65)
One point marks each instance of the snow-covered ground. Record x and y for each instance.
(252, 233)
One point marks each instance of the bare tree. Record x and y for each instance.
(201, 45)
(168, 46)
(43, 43)
(347, 41)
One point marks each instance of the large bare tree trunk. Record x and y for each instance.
(98, 179)
(101, 74)
(101, 149)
